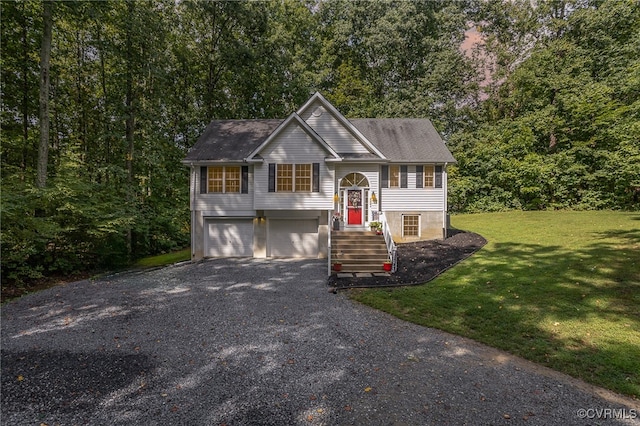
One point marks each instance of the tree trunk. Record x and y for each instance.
(130, 122)
(25, 95)
(45, 58)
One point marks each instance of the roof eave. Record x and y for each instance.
(367, 160)
(207, 162)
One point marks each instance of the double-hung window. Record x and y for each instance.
(224, 179)
(394, 176)
(284, 178)
(294, 177)
(428, 176)
(303, 178)
(215, 179)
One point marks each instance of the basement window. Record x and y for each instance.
(410, 225)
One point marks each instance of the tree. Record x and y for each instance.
(45, 58)
(571, 94)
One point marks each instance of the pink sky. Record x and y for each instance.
(473, 38)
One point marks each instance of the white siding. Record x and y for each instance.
(293, 146)
(224, 204)
(412, 198)
(221, 204)
(331, 130)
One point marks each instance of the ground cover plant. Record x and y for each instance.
(558, 288)
(12, 292)
(164, 259)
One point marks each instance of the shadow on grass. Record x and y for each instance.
(573, 310)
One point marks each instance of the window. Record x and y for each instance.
(215, 179)
(354, 179)
(394, 176)
(223, 179)
(428, 176)
(411, 225)
(303, 178)
(284, 178)
(232, 179)
(294, 177)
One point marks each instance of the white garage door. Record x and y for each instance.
(228, 238)
(293, 238)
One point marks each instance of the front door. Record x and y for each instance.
(354, 207)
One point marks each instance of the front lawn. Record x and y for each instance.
(558, 288)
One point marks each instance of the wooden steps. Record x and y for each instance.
(359, 251)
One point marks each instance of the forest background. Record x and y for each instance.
(538, 101)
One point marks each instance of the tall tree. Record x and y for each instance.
(561, 118)
(397, 59)
(45, 85)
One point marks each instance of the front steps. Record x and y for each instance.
(359, 251)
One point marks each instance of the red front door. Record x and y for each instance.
(354, 207)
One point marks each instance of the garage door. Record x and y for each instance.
(228, 238)
(293, 238)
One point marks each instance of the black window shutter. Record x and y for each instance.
(316, 177)
(272, 177)
(203, 180)
(245, 180)
(403, 176)
(438, 180)
(385, 176)
(419, 177)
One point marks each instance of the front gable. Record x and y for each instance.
(334, 128)
(293, 140)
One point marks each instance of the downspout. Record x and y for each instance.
(445, 213)
(329, 241)
(193, 213)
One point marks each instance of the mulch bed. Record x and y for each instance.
(419, 262)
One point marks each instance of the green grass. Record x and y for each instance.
(164, 259)
(558, 288)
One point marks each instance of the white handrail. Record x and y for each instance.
(391, 245)
(329, 260)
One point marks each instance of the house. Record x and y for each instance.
(278, 188)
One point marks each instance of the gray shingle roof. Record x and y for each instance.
(407, 140)
(231, 140)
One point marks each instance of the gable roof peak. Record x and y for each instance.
(317, 96)
(293, 118)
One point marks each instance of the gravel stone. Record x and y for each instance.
(255, 342)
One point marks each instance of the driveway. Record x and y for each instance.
(251, 342)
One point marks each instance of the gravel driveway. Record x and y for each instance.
(251, 342)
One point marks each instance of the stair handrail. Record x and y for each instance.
(329, 242)
(391, 245)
